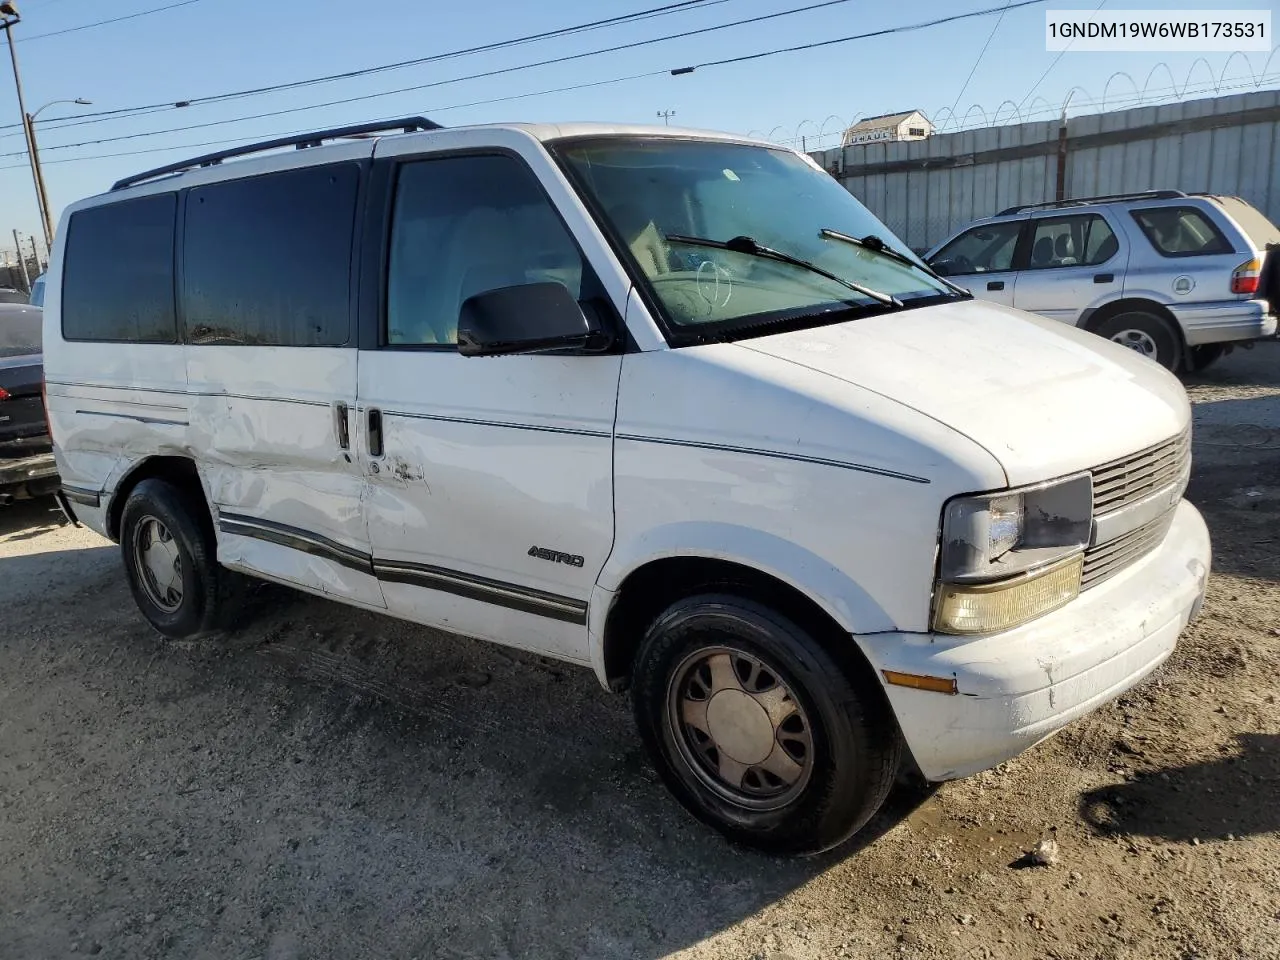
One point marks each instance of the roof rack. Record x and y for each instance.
(299, 141)
(1079, 201)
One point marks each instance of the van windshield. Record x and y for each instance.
(656, 195)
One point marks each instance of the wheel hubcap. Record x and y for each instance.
(159, 564)
(1138, 340)
(739, 728)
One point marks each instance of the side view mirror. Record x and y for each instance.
(528, 318)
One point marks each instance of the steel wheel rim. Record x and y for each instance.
(1139, 341)
(159, 564)
(739, 728)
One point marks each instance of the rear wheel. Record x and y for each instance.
(757, 730)
(1147, 334)
(170, 558)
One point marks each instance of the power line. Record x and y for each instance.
(1062, 53)
(754, 56)
(103, 23)
(981, 53)
(677, 7)
(887, 31)
(433, 110)
(499, 71)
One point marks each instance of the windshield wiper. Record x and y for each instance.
(876, 245)
(751, 248)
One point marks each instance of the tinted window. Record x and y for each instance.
(117, 272)
(267, 260)
(466, 225)
(1079, 241)
(985, 249)
(1181, 232)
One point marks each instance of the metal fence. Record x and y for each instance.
(924, 190)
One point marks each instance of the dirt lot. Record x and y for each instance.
(336, 784)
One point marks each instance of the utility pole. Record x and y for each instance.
(666, 116)
(22, 262)
(10, 14)
(35, 255)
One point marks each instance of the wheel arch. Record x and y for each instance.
(1093, 318)
(177, 470)
(798, 584)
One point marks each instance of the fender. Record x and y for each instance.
(829, 587)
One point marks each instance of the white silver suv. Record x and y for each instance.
(1178, 277)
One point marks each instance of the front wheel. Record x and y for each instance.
(757, 730)
(1147, 334)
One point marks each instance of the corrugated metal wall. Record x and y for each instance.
(925, 190)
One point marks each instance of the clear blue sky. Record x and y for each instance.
(214, 46)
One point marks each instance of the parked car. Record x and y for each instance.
(26, 453)
(670, 405)
(1174, 276)
(10, 295)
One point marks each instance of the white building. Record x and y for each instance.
(908, 125)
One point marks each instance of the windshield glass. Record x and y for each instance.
(653, 190)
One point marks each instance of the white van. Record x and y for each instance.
(670, 405)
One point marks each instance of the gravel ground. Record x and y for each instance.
(336, 784)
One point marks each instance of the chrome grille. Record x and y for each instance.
(1105, 560)
(1122, 482)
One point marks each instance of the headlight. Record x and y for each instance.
(1009, 557)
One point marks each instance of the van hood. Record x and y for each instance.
(1044, 398)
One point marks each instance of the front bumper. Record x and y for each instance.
(28, 474)
(1224, 321)
(1018, 687)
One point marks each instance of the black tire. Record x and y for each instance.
(854, 744)
(1137, 328)
(208, 596)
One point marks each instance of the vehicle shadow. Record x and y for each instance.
(51, 577)
(1171, 804)
(28, 519)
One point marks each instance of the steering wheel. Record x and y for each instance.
(714, 283)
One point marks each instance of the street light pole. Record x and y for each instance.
(42, 192)
(10, 16)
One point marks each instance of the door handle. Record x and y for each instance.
(375, 432)
(995, 285)
(341, 425)
(1104, 277)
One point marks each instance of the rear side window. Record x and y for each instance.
(267, 260)
(1181, 232)
(1080, 240)
(117, 273)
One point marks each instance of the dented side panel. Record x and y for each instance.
(265, 424)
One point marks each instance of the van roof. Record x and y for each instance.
(331, 138)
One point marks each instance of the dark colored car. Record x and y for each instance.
(26, 453)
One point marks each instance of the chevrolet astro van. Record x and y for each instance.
(671, 405)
